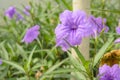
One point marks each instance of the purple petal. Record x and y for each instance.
(27, 8)
(118, 30)
(63, 44)
(105, 68)
(74, 38)
(98, 24)
(10, 12)
(79, 17)
(117, 41)
(66, 18)
(0, 61)
(31, 34)
(26, 11)
(115, 72)
(19, 17)
(109, 73)
(61, 32)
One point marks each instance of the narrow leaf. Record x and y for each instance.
(52, 69)
(14, 65)
(81, 57)
(30, 58)
(102, 51)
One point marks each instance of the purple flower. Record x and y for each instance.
(98, 25)
(72, 29)
(31, 34)
(118, 30)
(27, 10)
(10, 12)
(117, 41)
(75, 26)
(0, 61)
(109, 73)
(19, 17)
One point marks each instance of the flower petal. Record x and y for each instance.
(31, 34)
(118, 30)
(79, 17)
(66, 18)
(117, 41)
(10, 12)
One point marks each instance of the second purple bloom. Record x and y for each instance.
(31, 34)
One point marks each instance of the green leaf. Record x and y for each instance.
(30, 58)
(51, 69)
(6, 54)
(56, 66)
(66, 4)
(102, 51)
(4, 73)
(63, 70)
(76, 64)
(17, 66)
(80, 56)
(21, 51)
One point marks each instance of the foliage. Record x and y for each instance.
(41, 60)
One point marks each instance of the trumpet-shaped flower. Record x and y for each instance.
(109, 73)
(75, 26)
(31, 34)
(10, 12)
(72, 29)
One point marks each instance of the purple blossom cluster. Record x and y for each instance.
(109, 73)
(12, 12)
(75, 26)
(33, 32)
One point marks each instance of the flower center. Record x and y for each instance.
(74, 27)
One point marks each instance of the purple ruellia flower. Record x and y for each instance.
(27, 10)
(10, 12)
(98, 25)
(31, 34)
(72, 29)
(109, 73)
(118, 30)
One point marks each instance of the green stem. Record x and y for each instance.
(40, 48)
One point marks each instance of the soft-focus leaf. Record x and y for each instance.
(102, 51)
(17, 66)
(30, 58)
(80, 56)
